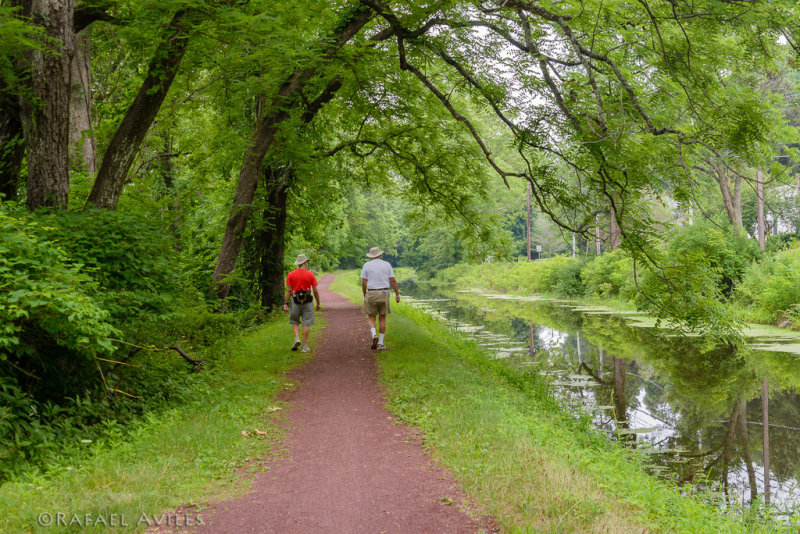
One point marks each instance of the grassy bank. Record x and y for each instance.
(515, 451)
(180, 457)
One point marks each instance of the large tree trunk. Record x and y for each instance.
(45, 111)
(12, 146)
(270, 238)
(732, 199)
(614, 231)
(125, 144)
(268, 124)
(82, 144)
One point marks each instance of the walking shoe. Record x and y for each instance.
(296, 344)
(381, 346)
(374, 342)
(305, 348)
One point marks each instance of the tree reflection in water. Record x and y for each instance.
(663, 393)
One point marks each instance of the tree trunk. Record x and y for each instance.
(597, 240)
(125, 144)
(270, 239)
(83, 149)
(12, 146)
(761, 223)
(267, 126)
(528, 221)
(614, 233)
(732, 200)
(45, 111)
(797, 228)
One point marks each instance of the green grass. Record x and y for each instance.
(515, 451)
(183, 457)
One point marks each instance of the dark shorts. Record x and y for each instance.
(301, 311)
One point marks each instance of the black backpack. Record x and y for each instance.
(301, 297)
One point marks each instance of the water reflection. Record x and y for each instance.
(699, 416)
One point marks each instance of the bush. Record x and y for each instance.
(771, 288)
(728, 251)
(552, 276)
(50, 318)
(609, 275)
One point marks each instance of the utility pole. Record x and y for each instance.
(528, 221)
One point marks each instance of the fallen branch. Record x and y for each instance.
(198, 364)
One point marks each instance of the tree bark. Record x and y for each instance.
(732, 199)
(125, 144)
(45, 111)
(271, 237)
(12, 146)
(597, 240)
(614, 231)
(761, 223)
(528, 220)
(277, 111)
(83, 149)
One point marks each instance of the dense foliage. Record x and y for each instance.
(174, 156)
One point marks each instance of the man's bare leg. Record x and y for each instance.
(371, 320)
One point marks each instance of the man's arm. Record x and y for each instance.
(287, 296)
(316, 296)
(393, 282)
(364, 286)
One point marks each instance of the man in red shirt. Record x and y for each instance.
(299, 285)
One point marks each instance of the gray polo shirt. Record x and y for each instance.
(377, 273)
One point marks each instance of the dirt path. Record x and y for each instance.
(350, 468)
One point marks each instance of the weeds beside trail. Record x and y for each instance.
(175, 458)
(513, 449)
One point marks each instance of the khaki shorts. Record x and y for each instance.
(304, 311)
(376, 302)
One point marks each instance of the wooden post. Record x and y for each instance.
(762, 225)
(765, 420)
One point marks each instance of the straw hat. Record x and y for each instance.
(301, 259)
(374, 252)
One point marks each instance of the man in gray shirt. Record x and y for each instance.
(376, 277)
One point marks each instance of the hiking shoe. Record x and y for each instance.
(305, 348)
(296, 345)
(381, 346)
(374, 342)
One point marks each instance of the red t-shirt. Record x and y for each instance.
(301, 280)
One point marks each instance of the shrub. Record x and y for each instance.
(609, 275)
(50, 318)
(771, 288)
(728, 251)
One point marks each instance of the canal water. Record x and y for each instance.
(697, 416)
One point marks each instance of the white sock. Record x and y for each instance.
(373, 331)
(380, 339)
(297, 339)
